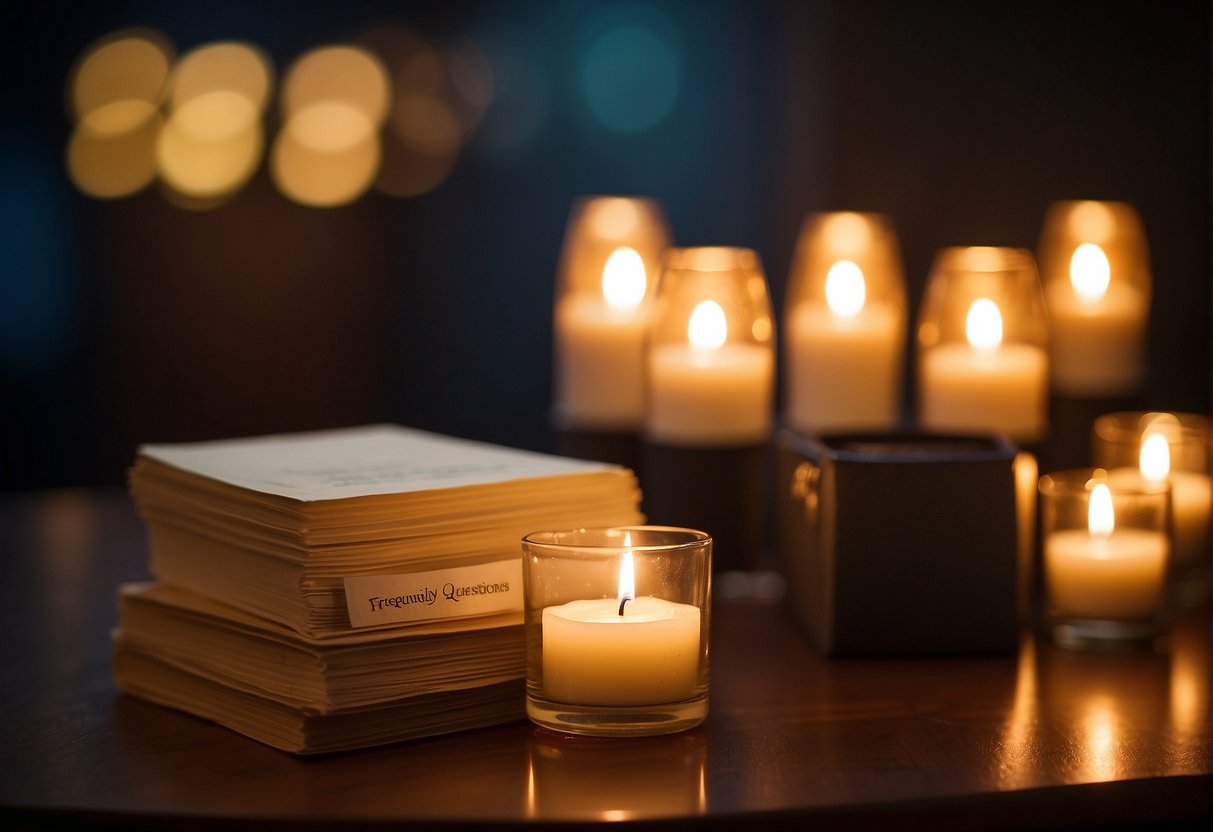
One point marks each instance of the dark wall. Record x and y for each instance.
(136, 320)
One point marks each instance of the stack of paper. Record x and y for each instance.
(333, 590)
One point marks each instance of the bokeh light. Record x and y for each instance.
(334, 101)
(227, 66)
(630, 79)
(210, 145)
(114, 93)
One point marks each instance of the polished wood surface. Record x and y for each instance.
(1045, 739)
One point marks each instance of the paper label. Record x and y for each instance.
(444, 593)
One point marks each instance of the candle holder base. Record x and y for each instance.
(1103, 635)
(617, 720)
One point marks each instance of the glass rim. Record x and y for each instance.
(564, 540)
(1131, 425)
(711, 259)
(1073, 482)
(984, 259)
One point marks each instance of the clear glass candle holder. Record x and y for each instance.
(603, 302)
(1095, 265)
(617, 624)
(1172, 447)
(1106, 556)
(844, 325)
(711, 350)
(983, 361)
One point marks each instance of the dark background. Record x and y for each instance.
(134, 320)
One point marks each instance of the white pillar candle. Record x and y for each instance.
(1098, 328)
(1105, 572)
(708, 392)
(600, 348)
(844, 358)
(985, 385)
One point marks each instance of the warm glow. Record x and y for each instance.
(118, 118)
(346, 74)
(1092, 220)
(847, 233)
(229, 67)
(1090, 273)
(845, 290)
(1099, 725)
(112, 166)
(614, 218)
(330, 127)
(1155, 459)
(707, 329)
(983, 324)
(627, 573)
(210, 146)
(623, 279)
(326, 155)
(1101, 519)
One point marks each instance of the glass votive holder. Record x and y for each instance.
(983, 345)
(1106, 554)
(844, 325)
(617, 623)
(711, 353)
(604, 290)
(1095, 265)
(1172, 447)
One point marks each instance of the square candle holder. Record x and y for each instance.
(617, 623)
(900, 544)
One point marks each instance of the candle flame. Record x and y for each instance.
(1101, 519)
(623, 279)
(845, 289)
(983, 324)
(1155, 459)
(627, 574)
(707, 329)
(1090, 272)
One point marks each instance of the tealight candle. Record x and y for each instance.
(1105, 581)
(637, 651)
(983, 363)
(617, 661)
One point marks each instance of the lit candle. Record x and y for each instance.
(1098, 327)
(709, 390)
(985, 385)
(1190, 498)
(621, 651)
(1105, 572)
(844, 358)
(600, 347)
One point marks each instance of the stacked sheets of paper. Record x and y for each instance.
(332, 590)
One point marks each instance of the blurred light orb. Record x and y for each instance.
(630, 79)
(338, 73)
(128, 65)
(227, 66)
(327, 154)
(211, 145)
(108, 164)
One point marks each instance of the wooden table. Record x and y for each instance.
(1048, 739)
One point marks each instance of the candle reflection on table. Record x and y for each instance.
(579, 778)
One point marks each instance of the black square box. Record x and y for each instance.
(899, 544)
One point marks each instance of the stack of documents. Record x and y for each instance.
(334, 590)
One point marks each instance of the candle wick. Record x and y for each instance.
(622, 601)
